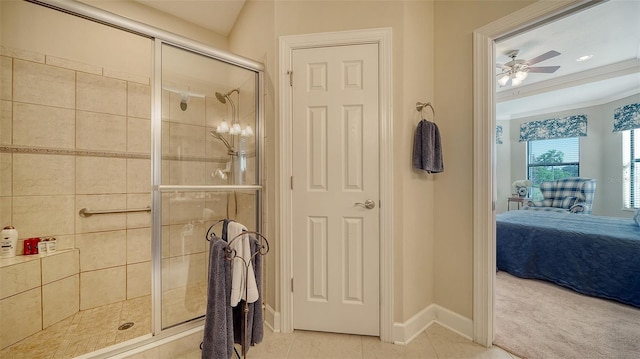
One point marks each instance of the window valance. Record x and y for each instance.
(499, 134)
(572, 126)
(626, 117)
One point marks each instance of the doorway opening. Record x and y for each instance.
(485, 191)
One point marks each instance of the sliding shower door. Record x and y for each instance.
(205, 170)
(75, 114)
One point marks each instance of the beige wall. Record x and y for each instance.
(455, 22)
(414, 221)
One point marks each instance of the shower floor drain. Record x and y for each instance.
(125, 326)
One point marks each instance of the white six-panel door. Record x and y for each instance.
(335, 163)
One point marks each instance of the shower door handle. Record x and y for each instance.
(368, 204)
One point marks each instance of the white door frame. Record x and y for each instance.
(484, 192)
(382, 37)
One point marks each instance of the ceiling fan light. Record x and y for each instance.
(515, 81)
(503, 80)
(521, 75)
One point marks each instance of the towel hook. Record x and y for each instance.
(421, 105)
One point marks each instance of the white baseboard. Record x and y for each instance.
(454, 322)
(272, 319)
(404, 333)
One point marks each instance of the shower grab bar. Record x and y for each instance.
(87, 212)
(186, 188)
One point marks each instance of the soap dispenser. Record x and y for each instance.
(8, 242)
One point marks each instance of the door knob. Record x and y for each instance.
(368, 204)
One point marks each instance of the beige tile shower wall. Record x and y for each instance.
(6, 77)
(74, 136)
(19, 277)
(43, 126)
(60, 300)
(42, 84)
(5, 121)
(36, 292)
(22, 314)
(102, 287)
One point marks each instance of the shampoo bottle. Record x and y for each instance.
(8, 242)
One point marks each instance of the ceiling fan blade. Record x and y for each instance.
(543, 57)
(544, 69)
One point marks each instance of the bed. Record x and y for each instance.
(593, 255)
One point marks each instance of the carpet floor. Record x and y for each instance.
(540, 320)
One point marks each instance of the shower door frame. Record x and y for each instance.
(161, 37)
(156, 166)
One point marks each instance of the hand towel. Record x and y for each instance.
(241, 269)
(218, 324)
(427, 149)
(254, 320)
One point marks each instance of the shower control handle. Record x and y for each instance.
(368, 204)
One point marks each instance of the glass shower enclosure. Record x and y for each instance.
(207, 158)
(156, 135)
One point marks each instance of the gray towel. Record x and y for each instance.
(255, 329)
(427, 149)
(218, 325)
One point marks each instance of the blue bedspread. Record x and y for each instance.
(593, 255)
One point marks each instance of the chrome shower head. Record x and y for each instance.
(222, 98)
(184, 99)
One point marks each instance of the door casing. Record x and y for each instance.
(382, 37)
(484, 191)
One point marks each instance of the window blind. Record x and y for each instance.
(553, 159)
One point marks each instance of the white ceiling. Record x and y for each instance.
(216, 15)
(609, 31)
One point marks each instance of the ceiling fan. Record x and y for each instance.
(517, 70)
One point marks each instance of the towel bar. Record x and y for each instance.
(421, 105)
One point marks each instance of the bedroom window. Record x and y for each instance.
(553, 159)
(631, 168)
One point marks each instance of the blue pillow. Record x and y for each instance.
(636, 217)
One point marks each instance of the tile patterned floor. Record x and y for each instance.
(436, 342)
(86, 331)
(94, 329)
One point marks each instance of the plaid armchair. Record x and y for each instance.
(567, 195)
